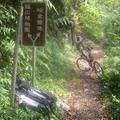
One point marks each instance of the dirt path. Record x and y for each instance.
(86, 98)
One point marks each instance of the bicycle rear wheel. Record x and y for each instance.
(82, 64)
(98, 69)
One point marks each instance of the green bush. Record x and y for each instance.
(52, 62)
(111, 81)
(90, 20)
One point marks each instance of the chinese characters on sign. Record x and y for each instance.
(34, 24)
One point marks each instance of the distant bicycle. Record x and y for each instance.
(86, 62)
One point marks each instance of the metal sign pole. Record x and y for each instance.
(33, 65)
(15, 59)
(33, 29)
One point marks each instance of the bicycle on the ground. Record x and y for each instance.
(86, 62)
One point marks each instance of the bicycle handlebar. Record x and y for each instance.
(89, 48)
(81, 46)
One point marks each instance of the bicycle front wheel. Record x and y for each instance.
(98, 69)
(82, 64)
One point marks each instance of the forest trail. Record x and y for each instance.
(86, 98)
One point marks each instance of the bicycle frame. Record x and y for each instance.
(89, 58)
(90, 64)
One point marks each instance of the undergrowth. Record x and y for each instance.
(111, 81)
(52, 69)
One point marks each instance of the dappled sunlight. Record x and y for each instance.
(85, 100)
(98, 53)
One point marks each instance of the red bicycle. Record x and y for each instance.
(86, 62)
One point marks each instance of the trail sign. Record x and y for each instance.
(34, 24)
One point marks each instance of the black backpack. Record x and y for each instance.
(35, 99)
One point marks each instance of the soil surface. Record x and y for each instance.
(86, 100)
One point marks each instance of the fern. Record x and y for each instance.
(7, 21)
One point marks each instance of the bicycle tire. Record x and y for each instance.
(82, 64)
(98, 70)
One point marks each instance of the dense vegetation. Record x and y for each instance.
(51, 61)
(111, 81)
(96, 20)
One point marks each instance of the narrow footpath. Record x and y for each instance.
(86, 100)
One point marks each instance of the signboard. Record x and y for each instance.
(34, 24)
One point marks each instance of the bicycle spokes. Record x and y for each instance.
(82, 64)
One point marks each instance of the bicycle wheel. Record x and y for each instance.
(82, 64)
(98, 69)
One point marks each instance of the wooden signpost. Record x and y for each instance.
(32, 29)
(33, 24)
